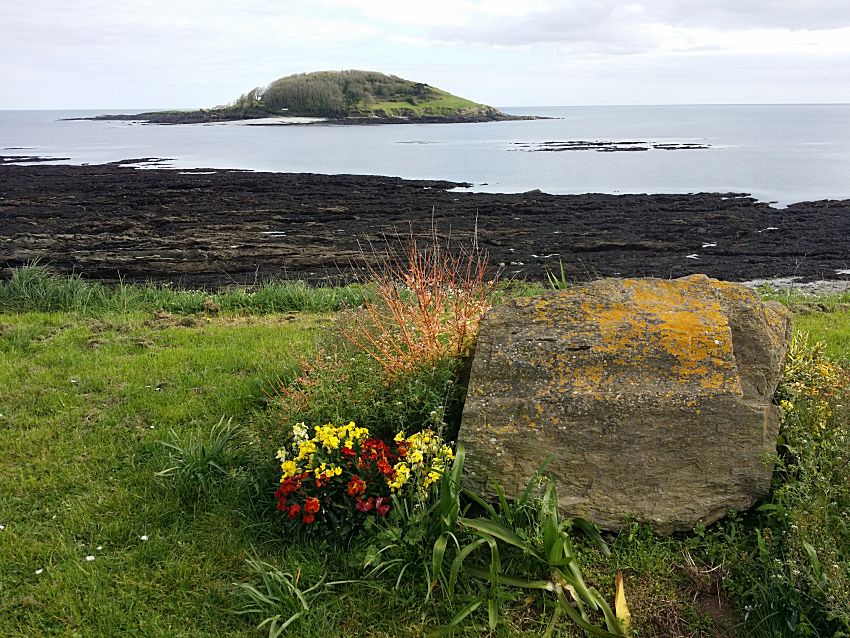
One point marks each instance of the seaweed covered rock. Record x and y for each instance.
(652, 397)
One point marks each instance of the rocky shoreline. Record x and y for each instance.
(208, 227)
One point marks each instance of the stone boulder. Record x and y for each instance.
(653, 398)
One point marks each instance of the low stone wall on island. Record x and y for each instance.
(653, 398)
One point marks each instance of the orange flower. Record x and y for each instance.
(356, 486)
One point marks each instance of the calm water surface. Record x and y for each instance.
(781, 153)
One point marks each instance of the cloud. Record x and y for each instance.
(607, 26)
(194, 53)
(438, 13)
(794, 15)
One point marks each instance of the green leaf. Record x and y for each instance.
(492, 612)
(489, 528)
(449, 493)
(491, 511)
(551, 627)
(437, 556)
(813, 559)
(463, 613)
(592, 532)
(611, 620)
(593, 630)
(458, 561)
(503, 504)
(510, 580)
(532, 482)
(552, 542)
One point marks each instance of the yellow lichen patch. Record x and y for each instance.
(507, 428)
(733, 291)
(673, 327)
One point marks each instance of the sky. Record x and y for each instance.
(140, 54)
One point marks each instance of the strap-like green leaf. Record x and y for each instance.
(463, 613)
(458, 561)
(500, 532)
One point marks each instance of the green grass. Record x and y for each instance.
(34, 288)
(84, 403)
(831, 327)
(90, 391)
(823, 317)
(444, 104)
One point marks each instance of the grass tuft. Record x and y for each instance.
(202, 460)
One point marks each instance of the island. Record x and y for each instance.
(336, 97)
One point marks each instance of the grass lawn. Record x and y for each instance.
(94, 543)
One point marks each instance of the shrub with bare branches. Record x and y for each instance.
(427, 306)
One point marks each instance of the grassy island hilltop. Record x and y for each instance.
(348, 97)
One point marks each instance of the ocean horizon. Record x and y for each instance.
(778, 153)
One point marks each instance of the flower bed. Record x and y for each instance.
(342, 474)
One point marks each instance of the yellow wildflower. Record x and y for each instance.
(305, 450)
(402, 473)
(290, 468)
(432, 477)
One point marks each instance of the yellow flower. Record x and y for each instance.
(327, 436)
(290, 468)
(305, 450)
(399, 437)
(402, 473)
(431, 478)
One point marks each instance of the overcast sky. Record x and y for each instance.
(196, 53)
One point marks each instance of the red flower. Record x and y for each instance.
(290, 485)
(281, 504)
(365, 506)
(294, 510)
(311, 506)
(402, 451)
(356, 486)
(381, 507)
(308, 518)
(348, 452)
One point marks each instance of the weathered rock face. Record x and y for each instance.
(652, 396)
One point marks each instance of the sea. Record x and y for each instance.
(777, 153)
